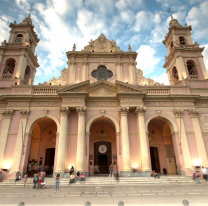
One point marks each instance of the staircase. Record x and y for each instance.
(111, 181)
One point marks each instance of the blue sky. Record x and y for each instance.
(141, 23)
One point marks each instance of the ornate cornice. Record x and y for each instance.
(81, 111)
(140, 111)
(124, 111)
(24, 113)
(178, 112)
(7, 113)
(64, 111)
(194, 112)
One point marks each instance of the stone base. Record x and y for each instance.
(180, 172)
(67, 174)
(134, 174)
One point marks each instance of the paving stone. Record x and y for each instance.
(193, 193)
(165, 193)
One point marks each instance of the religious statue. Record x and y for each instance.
(74, 48)
(129, 48)
(15, 22)
(186, 24)
(195, 43)
(5, 41)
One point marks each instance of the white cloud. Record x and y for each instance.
(129, 4)
(205, 54)
(143, 21)
(163, 78)
(146, 59)
(4, 28)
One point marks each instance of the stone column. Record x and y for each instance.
(132, 78)
(20, 140)
(203, 68)
(64, 111)
(0, 58)
(145, 163)
(125, 139)
(119, 71)
(181, 67)
(184, 141)
(4, 133)
(198, 137)
(81, 111)
(72, 72)
(85, 69)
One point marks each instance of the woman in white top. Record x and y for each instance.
(72, 178)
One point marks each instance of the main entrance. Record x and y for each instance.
(102, 147)
(155, 159)
(102, 151)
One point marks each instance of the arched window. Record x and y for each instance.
(175, 74)
(30, 41)
(9, 68)
(182, 40)
(191, 67)
(171, 45)
(102, 73)
(27, 74)
(19, 38)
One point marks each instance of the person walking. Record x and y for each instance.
(196, 177)
(35, 180)
(111, 170)
(57, 178)
(204, 172)
(25, 179)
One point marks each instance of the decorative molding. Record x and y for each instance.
(140, 111)
(102, 112)
(159, 104)
(107, 104)
(90, 113)
(21, 90)
(124, 111)
(130, 100)
(170, 113)
(178, 112)
(45, 104)
(81, 111)
(73, 99)
(7, 113)
(64, 110)
(32, 114)
(180, 90)
(194, 113)
(24, 112)
(203, 122)
(45, 112)
(20, 104)
(183, 103)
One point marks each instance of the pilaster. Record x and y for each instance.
(119, 71)
(132, 77)
(61, 157)
(125, 139)
(81, 111)
(19, 142)
(4, 133)
(85, 64)
(198, 136)
(145, 163)
(184, 142)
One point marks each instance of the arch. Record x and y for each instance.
(19, 35)
(182, 40)
(89, 123)
(191, 66)
(170, 122)
(35, 120)
(27, 73)
(9, 65)
(10, 58)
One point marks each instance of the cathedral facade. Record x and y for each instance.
(102, 110)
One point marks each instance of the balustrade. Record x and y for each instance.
(158, 91)
(45, 91)
(7, 76)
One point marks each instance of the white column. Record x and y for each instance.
(199, 138)
(85, 69)
(19, 142)
(203, 68)
(80, 139)
(62, 139)
(145, 164)
(184, 141)
(125, 139)
(4, 133)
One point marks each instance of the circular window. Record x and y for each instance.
(102, 149)
(102, 73)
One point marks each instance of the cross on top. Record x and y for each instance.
(31, 10)
(170, 12)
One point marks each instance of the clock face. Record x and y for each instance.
(18, 40)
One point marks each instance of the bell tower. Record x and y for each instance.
(17, 60)
(184, 63)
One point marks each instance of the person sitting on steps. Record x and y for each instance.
(155, 174)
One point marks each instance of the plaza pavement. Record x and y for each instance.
(148, 195)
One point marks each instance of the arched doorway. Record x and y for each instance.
(162, 155)
(43, 145)
(102, 147)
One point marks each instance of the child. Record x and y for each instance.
(57, 178)
(25, 179)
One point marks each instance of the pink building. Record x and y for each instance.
(102, 110)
